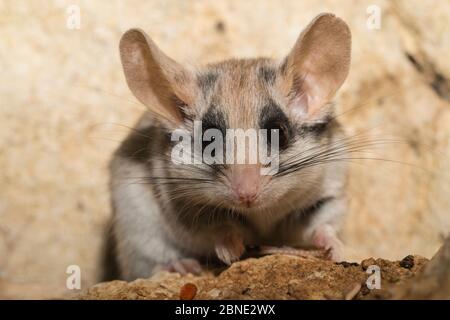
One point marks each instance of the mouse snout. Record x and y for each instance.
(245, 183)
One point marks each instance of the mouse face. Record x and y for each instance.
(288, 97)
(248, 94)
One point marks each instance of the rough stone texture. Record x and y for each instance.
(65, 105)
(270, 277)
(432, 283)
(292, 277)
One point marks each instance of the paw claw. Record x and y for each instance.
(230, 249)
(325, 238)
(183, 266)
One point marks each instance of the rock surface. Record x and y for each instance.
(270, 277)
(432, 283)
(293, 277)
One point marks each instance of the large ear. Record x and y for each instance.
(317, 65)
(156, 80)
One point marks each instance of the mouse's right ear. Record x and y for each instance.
(160, 83)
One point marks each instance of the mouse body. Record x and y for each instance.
(171, 215)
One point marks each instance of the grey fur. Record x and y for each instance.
(151, 230)
(171, 216)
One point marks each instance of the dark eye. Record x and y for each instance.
(213, 119)
(205, 143)
(282, 135)
(273, 119)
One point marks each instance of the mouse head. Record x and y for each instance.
(288, 98)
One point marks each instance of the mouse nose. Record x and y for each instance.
(247, 197)
(245, 183)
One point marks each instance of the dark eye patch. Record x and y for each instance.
(267, 74)
(206, 81)
(273, 118)
(213, 119)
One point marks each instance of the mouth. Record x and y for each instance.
(245, 201)
(246, 206)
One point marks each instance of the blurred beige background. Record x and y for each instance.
(64, 106)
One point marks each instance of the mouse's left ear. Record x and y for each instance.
(317, 65)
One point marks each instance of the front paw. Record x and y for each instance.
(325, 237)
(182, 266)
(230, 248)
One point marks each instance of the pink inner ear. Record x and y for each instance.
(299, 106)
(311, 96)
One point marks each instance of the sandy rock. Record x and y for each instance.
(432, 283)
(270, 277)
